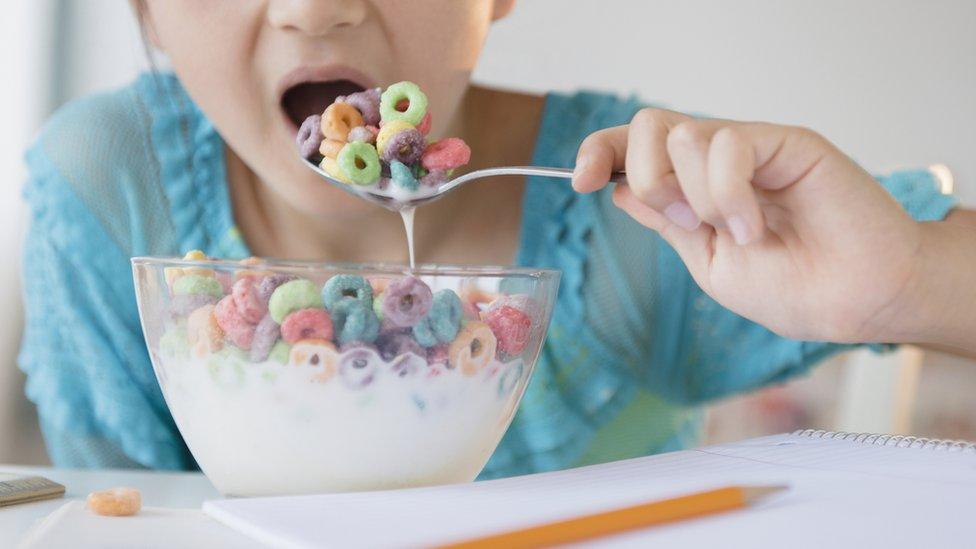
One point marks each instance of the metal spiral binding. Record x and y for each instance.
(895, 441)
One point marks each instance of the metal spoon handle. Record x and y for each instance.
(542, 171)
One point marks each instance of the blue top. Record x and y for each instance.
(634, 349)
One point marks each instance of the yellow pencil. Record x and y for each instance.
(622, 520)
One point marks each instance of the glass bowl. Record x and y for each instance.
(299, 377)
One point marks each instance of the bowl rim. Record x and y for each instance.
(350, 267)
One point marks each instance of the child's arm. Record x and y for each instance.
(807, 243)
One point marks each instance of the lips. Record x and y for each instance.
(309, 90)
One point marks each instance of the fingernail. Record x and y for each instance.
(681, 214)
(739, 230)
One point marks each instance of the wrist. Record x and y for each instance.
(938, 303)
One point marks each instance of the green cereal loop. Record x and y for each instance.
(340, 287)
(378, 305)
(360, 163)
(292, 296)
(280, 352)
(196, 284)
(174, 342)
(398, 92)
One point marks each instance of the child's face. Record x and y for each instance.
(257, 68)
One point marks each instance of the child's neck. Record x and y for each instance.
(478, 223)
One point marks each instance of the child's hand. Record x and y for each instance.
(773, 222)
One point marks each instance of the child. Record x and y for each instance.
(205, 158)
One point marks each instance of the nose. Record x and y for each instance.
(316, 17)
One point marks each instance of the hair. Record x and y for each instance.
(141, 10)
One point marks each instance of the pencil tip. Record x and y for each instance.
(752, 494)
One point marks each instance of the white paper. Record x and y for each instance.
(842, 494)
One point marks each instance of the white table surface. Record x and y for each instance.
(159, 489)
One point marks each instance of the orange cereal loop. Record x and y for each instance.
(330, 148)
(473, 348)
(203, 333)
(317, 354)
(338, 119)
(249, 273)
(115, 502)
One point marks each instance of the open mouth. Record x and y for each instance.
(307, 98)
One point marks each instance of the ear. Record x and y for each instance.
(502, 9)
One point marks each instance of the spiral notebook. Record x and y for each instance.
(846, 490)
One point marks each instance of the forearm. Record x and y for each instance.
(939, 305)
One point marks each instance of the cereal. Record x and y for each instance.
(319, 354)
(269, 284)
(424, 126)
(390, 103)
(266, 334)
(115, 502)
(196, 284)
(340, 287)
(408, 364)
(435, 178)
(338, 119)
(280, 352)
(358, 366)
(331, 167)
(511, 327)
(236, 328)
(309, 136)
(352, 321)
(405, 146)
(360, 163)
(306, 324)
(248, 300)
(367, 102)
(402, 175)
(182, 305)
(292, 296)
(363, 134)
(442, 323)
(394, 344)
(446, 154)
(406, 301)
(330, 148)
(388, 131)
(202, 331)
(473, 349)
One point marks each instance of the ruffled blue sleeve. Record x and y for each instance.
(716, 353)
(83, 351)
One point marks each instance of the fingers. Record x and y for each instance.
(650, 172)
(600, 154)
(731, 167)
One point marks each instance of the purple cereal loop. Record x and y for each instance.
(265, 335)
(184, 304)
(394, 344)
(406, 146)
(434, 178)
(269, 284)
(309, 137)
(358, 367)
(367, 102)
(406, 301)
(408, 364)
(361, 133)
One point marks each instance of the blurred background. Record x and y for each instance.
(892, 82)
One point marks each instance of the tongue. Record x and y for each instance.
(304, 100)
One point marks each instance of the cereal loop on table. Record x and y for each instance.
(306, 324)
(338, 119)
(391, 103)
(340, 287)
(115, 502)
(292, 296)
(360, 163)
(473, 349)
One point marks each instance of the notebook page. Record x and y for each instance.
(867, 487)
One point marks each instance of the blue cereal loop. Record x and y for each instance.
(402, 175)
(340, 287)
(352, 320)
(442, 323)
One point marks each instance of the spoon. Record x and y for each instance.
(396, 199)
